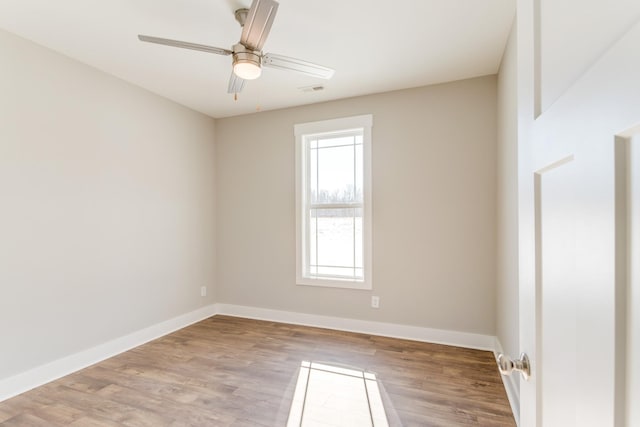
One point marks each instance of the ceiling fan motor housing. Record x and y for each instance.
(241, 16)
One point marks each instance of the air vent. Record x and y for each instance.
(317, 88)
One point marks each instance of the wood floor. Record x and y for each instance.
(227, 371)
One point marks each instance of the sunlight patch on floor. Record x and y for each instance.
(333, 396)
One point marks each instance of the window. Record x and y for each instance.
(333, 202)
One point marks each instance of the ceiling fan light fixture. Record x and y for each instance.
(246, 64)
(247, 70)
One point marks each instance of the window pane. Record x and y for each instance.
(336, 246)
(336, 181)
(335, 237)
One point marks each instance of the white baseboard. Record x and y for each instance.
(513, 392)
(416, 333)
(43, 374)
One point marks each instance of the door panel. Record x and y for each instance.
(556, 292)
(593, 27)
(627, 254)
(633, 285)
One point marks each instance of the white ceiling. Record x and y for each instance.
(374, 46)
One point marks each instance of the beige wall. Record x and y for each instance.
(107, 207)
(109, 220)
(507, 270)
(434, 209)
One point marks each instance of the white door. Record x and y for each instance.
(583, 352)
(628, 277)
(632, 330)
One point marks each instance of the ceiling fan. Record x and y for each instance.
(247, 55)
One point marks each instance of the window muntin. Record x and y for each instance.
(333, 203)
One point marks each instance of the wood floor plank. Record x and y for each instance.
(227, 371)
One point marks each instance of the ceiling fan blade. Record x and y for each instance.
(236, 84)
(258, 23)
(184, 45)
(298, 65)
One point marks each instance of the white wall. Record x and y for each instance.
(106, 207)
(434, 209)
(507, 212)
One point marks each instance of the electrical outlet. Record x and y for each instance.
(375, 302)
(203, 291)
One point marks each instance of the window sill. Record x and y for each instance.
(335, 283)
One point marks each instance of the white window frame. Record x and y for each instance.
(303, 132)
